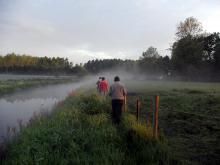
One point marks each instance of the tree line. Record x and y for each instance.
(15, 63)
(195, 55)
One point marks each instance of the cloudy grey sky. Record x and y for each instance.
(82, 30)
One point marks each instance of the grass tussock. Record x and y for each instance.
(80, 131)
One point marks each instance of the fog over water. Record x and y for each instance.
(22, 105)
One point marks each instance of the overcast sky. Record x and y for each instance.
(82, 30)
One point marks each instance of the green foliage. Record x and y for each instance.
(142, 147)
(195, 55)
(210, 43)
(93, 105)
(187, 55)
(15, 63)
(216, 54)
(95, 66)
(79, 70)
(151, 52)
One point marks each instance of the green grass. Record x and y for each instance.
(80, 131)
(9, 86)
(189, 116)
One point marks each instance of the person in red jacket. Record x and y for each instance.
(104, 86)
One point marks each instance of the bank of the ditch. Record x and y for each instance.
(80, 131)
(9, 86)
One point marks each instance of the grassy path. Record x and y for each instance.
(80, 131)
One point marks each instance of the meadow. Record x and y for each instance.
(80, 131)
(189, 117)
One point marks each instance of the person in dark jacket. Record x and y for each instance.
(118, 93)
(98, 84)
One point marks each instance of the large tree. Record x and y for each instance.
(188, 49)
(151, 52)
(186, 54)
(151, 62)
(216, 56)
(190, 27)
(210, 43)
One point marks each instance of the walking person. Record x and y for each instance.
(98, 84)
(118, 93)
(104, 87)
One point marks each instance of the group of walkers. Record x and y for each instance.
(102, 86)
(117, 92)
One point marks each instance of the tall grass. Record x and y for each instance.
(80, 131)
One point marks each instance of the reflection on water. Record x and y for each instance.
(23, 104)
(12, 112)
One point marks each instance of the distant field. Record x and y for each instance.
(189, 116)
(169, 87)
(24, 77)
(11, 85)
